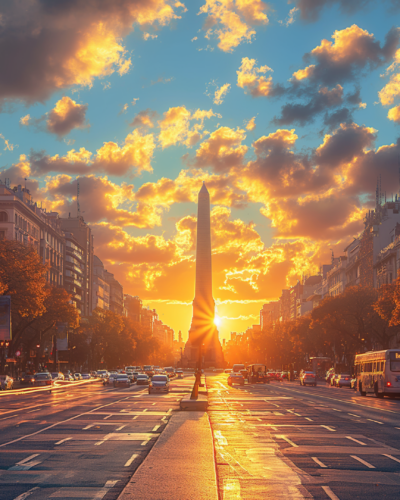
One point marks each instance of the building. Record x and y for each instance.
(74, 268)
(116, 293)
(147, 319)
(22, 220)
(100, 287)
(336, 277)
(284, 301)
(133, 306)
(270, 314)
(83, 235)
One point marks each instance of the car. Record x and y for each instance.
(69, 377)
(227, 370)
(77, 376)
(57, 376)
(6, 382)
(308, 378)
(121, 380)
(237, 368)
(142, 379)
(93, 374)
(148, 370)
(26, 379)
(170, 371)
(159, 383)
(235, 378)
(102, 373)
(110, 378)
(86, 376)
(179, 373)
(43, 379)
(344, 380)
(244, 373)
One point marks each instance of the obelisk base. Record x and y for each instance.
(212, 355)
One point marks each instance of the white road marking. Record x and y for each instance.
(376, 421)
(352, 414)
(62, 441)
(154, 404)
(111, 484)
(87, 427)
(135, 417)
(120, 428)
(108, 416)
(11, 416)
(128, 463)
(156, 428)
(334, 409)
(34, 410)
(329, 428)
(319, 462)
(259, 419)
(363, 462)
(98, 443)
(298, 414)
(288, 441)
(26, 494)
(22, 462)
(145, 442)
(393, 458)
(310, 419)
(356, 440)
(330, 493)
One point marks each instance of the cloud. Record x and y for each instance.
(62, 44)
(161, 79)
(310, 10)
(251, 124)
(223, 150)
(176, 127)
(249, 78)
(305, 113)
(231, 21)
(290, 19)
(24, 120)
(394, 114)
(148, 36)
(7, 144)
(65, 116)
(144, 118)
(220, 93)
(134, 101)
(352, 51)
(124, 109)
(131, 158)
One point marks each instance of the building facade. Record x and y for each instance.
(100, 287)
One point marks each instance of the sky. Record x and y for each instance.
(289, 111)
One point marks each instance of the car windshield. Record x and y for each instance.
(159, 378)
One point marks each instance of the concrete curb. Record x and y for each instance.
(199, 404)
(180, 465)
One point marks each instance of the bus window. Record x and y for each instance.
(394, 366)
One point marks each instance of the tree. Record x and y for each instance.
(23, 278)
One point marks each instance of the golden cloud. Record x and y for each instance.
(65, 116)
(231, 21)
(394, 114)
(249, 77)
(220, 93)
(176, 128)
(251, 124)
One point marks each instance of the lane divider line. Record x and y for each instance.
(26, 494)
(87, 427)
(129, 462)
(62, 441)
(393, 458)
(329, 428)
(356, 440)
(370, 466)
(27, 459)
(330, 493)
(319, 462)
(376, 421)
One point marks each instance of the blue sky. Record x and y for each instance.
(283, 182)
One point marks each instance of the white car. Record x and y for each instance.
(159, 383)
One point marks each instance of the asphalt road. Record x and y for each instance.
(283, 441)
(83, 441)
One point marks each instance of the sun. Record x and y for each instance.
(217, 320)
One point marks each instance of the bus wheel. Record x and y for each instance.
(363, 393)
(378, 394)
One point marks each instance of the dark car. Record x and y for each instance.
(159, 383)
(26, 379)
(142, 379)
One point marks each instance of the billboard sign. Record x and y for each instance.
(5, 317)
(62, 336)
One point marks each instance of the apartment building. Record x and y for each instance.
(74, 269)
(100, 287)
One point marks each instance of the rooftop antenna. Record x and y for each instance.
(25, 181)
(77, 200)
(333, 256)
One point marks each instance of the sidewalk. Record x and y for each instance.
(181, 464)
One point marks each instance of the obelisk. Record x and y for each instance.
(203, 334)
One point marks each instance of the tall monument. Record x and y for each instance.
(203, 334)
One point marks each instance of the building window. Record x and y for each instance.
(3, 217)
